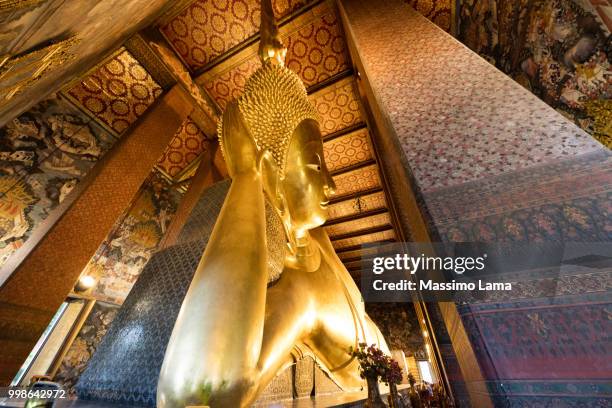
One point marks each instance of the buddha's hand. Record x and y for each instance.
(241, 154)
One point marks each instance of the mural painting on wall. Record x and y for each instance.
(561, 50)
(120, 259)
(437, 11)
(44, 153)
(399, 325)
(85, 344)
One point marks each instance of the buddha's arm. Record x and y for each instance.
(217, 337)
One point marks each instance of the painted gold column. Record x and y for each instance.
(405, 199)
(48, 269)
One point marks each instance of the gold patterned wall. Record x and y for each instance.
(118, 92)
(85, 31)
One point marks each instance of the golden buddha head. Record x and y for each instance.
(284, 127)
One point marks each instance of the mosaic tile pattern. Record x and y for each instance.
(565, 201)
(323, 384)
(304, 377)
(143, 326)
(188, 144)
(358, 224)
(118, 92)
(357, 205)
(317, 51)
(363, 239)
(357, 180)
(208, 28)
(338, 106)
(84, 346)
(538, 327)
(347, 150)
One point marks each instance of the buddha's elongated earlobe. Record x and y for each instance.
(269, 172)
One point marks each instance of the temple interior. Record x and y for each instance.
(440, 121)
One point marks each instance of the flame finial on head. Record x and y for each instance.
(270, 46)
(274, 101)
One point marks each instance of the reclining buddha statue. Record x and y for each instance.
(235, 330)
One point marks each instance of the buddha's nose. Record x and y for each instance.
(330, 188)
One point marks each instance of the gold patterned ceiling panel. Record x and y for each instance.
(358, 224)
(347, 150)
(209, 28)
(186, 146)
(338, 106)
(364, 239)
(357, 180)
(357, 205)
(317, 51)
(118, 92)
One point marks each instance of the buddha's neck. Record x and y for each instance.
(304, 253)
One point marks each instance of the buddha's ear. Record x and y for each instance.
(271, 181)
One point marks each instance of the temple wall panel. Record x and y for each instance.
(135, 237)
(492, 162)
(399, 325)
(49, 271)
(84, 345)
(44, 153)
(143, 326)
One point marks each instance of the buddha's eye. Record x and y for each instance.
(317, 165)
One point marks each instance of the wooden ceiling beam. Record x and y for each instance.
(360, 246)
(356, 194)
(353, 167)
(345, 131)
(366, 231)
(332, 80)
(356, 216)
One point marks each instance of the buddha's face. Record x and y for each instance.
(307, 185)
